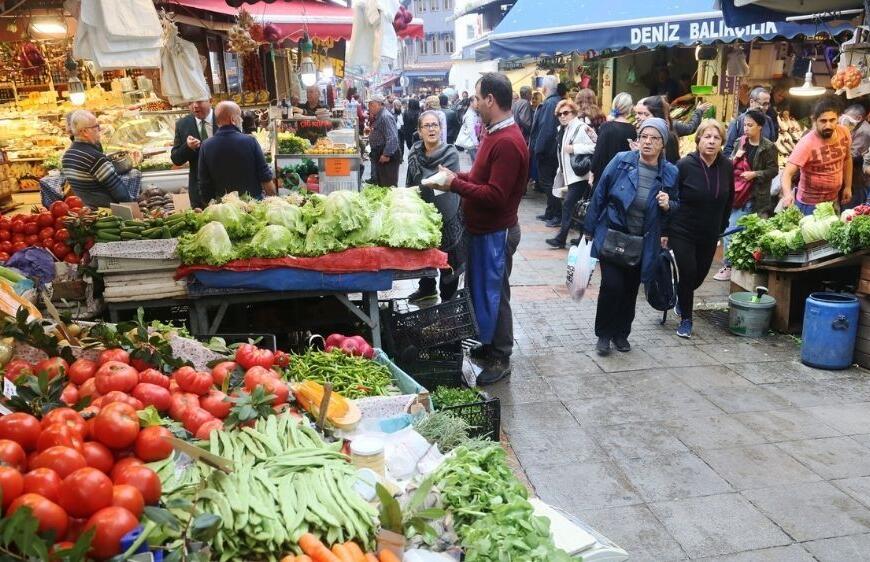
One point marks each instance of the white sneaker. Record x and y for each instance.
(723, 274)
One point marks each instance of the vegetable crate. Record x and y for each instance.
(484, 417)
(437, 366)
(432, 326)
(266, 341)
(813, 251)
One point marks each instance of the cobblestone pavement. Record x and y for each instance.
(716, 448)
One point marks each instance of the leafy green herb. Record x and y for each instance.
(20, 540)
(445, 397)
(250, 406)
(445, 429)
(744, 244)
(415, 518)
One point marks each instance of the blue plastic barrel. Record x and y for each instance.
(830, 328)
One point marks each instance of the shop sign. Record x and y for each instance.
(336, 166)
(694, 31)
(505, 65)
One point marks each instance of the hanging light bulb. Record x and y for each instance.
(807, 90)
(307, 70)
(76, 91)
(326, 72)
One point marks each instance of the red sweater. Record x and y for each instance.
(492, 190)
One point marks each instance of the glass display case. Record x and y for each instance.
(320, 154)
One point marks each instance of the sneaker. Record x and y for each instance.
(575, 241)
(685, 329)
(723, 274)
(554, 223)
(621, 344)
(419, 296)
(603, 346)
(493, 373)
(555, 243)
(544, 218)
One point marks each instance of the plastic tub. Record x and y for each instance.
(830, 329)
(747, 318)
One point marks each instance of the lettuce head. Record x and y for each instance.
(210, 245)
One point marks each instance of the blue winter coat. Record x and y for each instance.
(613, 195)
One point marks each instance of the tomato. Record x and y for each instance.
(72, 258)
(153, 395)
(31, 229)
(84, 492)
(74, 202)
(205, 429)
(124, 464)
(60, 250)
(31, 239)
(51, 516)
(98, 456)
(46, 233)
(18, 246)
(282, 359)
(151, 444)
(54, 366)
(66, 416)
(152, 376)
(197, 382)
(6, 246)
(248, 355)
(110, 525)
(22, 428)
(59, 209)
(43, 481)
(114, 375)
(216, 403)
(278, 388)
(257, 376)
(59, 434)
(18, 368)
(122, 397)
(143, 479)
(17, 226)
(12, 454)
(223, 371)
(59, 223)
(128, 497)
(81, 370)
(117, 354)
(44, 220)
(63, 460)
(181, 401)
(4, 256)
(11, 484)
(5, 235)
(70, 395)
(140, 364)
(116, 426)
(89, 388)
(194, 417)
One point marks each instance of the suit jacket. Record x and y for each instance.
(181, 153)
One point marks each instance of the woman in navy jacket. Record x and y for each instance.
(635, 194)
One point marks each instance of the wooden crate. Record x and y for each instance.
(862, 341)
(864, 277)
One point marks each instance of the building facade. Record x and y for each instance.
(426, 62)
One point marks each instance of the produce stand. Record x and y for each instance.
(332, 143)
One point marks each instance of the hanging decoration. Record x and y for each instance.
(402, 19)
(241, 41)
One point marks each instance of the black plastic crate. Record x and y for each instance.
(437, 366)
(266, 341)
(432, 326)
(484, 417)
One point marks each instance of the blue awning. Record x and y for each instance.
(425, 73)
(534, 28)
(740, 13)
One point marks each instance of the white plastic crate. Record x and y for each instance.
(119, 265)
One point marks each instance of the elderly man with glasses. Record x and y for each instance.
(90, 173)
(759, 98)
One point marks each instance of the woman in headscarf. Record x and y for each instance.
(423, 160)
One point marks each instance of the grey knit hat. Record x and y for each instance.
(659, 125)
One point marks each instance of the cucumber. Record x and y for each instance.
(133, 228)
(177, 229)
(103, 236)
(155, 232)
(174, 218)
(135, 223)
(130, 235)
(115, 231)
(107, 221)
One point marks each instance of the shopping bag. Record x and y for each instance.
(581, 264)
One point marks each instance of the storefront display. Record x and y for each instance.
(332, 144)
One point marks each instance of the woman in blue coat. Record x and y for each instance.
(634, 196)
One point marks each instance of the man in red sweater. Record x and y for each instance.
(491, 193)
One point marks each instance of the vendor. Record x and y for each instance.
(312, 101)
(89, 172)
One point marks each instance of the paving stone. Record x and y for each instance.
(858, 488)
(732, 349)
(757, 466)
(716, 525)
(811, 511)
(704, 377)
(520, 389)
(863, 440)
(736, 399)
(686, 357)
(786, 425)
(587, 485)
(616, 384)
(635, 360)
(672, 477)
(635, 529)
(848, 418)
(716, 431)
(563, 364)
(640, 407)
(819, 393)
(791, 553)
(633, 440)
(537, 416)
(830, 457)
(782, 371)
(551, 447)
(840, 549)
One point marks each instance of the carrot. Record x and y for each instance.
(289, 558)
(355, 551)
(371, 557)
(304, 558)
(311, 546)
(342, 553)
(388, 556)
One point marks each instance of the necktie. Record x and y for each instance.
(203, 134)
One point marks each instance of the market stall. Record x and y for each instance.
(319, 153)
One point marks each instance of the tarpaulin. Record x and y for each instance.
(287, 279)
(349, 261)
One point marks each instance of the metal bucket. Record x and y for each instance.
(749, 314)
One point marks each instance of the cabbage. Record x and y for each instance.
(345, 210)
(273, 241)
(410, 222)
(814, 228)
(210, 245)
(278, 211)
(238, 223)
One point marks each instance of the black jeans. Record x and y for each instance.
(448, 287)
(617, 299)
(694, 258)
(546, 175)
(386, 175)
(576, 191)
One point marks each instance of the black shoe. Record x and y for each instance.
(422, 296)
(603, 346)
(555, 243)
(544, 218)
(575, 241)
(554, 223)
(621, 344)
(494, 373)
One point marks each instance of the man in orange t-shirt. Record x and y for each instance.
(824, 159)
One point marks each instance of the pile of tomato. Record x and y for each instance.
(47, 229)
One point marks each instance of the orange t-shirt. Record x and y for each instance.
(822, 163)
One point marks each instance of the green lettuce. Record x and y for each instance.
(279, 212)
(410, 222)
(238, 222)
(210, 245)
(273, 241)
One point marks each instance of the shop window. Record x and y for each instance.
(421, 5)
(436, 44)
(469, 31)
(448, 43)
(433, 5)
(448, 5)
(424, 44)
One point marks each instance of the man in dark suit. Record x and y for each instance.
(452, 118)
(190, 131)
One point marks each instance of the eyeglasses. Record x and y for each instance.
(649, 138)
(762, 104)
(430, 126)
(97, 126)
(564, 113)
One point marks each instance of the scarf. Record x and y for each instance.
(422, 165)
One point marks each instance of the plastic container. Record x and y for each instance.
(830, 329)
(749, 314)
(437, 366)
(367, 451)
(432, 326)
(484, 417)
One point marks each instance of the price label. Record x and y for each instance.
(9, 389)
(336, 166)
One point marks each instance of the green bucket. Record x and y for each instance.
(748, 315)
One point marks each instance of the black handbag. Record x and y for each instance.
(621, 248)
(581, 164)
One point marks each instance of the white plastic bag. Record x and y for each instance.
(581, 264)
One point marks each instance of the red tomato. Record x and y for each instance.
(197, 382)
(153, 395)
(181, 401)
(17, 226)
(4, 256)
(152, 376)
(114, 375)
(12, 454)
(98, 456)
(89, 388)
(54, 366)
(84, 492)
(44, 220)
(257, 376)
(18, 368)
(5, 235)
(248, 355)
(151, 444)
(46, 233)
(81, 370)
(216, 403)
(72, 258)
(51, 516)
(128, 497)
(124, 464)
(22, 428)
(70, 395)
(223, 371)
(122, 397)
(143, 479)
(63, 460)
(116, 426)
(6, 246)
(66, 416)
(74, 202)
(11, 484)
(59, 434)
(194, 417)
(205, 429)
(18, 246)
(117, 354)
(110, 525)
(42, 481)
(282, 359)
(59, 223)
(59, 209)
(60, 250)
(31, 239)
(17, 237)
(31, 229)
(278, 388)
(140, 364)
